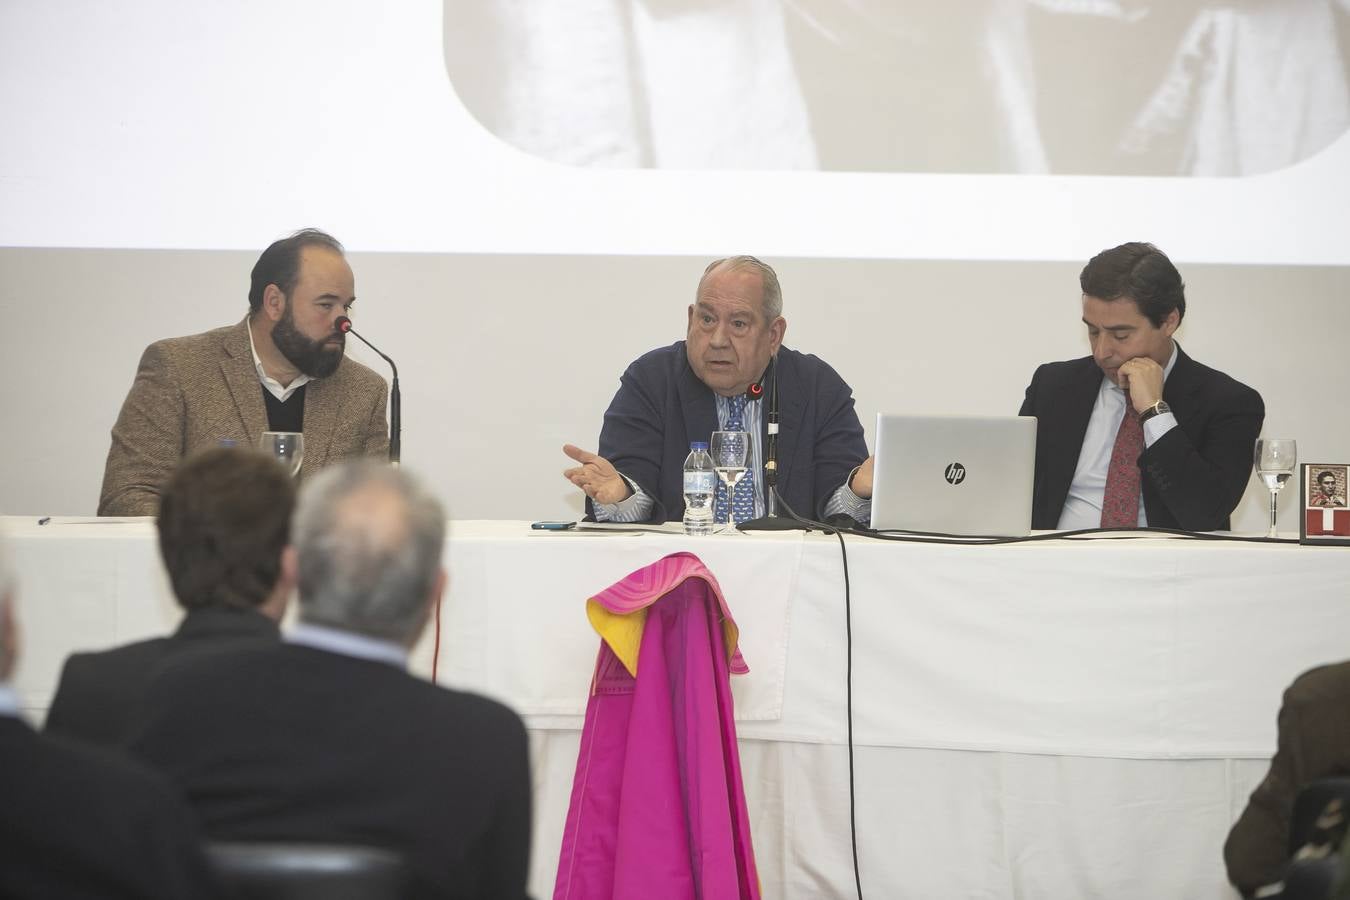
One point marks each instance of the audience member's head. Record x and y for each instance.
(223, 525)
(368, 540)
(9, 638)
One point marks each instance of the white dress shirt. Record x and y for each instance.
(9, 701)
(1083, 506)
(271, 384)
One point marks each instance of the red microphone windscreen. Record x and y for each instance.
(343, 324)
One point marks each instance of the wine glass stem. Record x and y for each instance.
(1274, 496)
(729, 526)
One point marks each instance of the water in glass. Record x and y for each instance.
(1274, 460)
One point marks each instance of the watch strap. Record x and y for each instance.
(1156, 409)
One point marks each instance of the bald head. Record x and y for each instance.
(771, 297)
(368, 541)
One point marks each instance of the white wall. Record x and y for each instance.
(503, 358)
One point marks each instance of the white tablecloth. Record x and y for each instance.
(1064, 719)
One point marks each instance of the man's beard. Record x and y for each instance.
(314, 358)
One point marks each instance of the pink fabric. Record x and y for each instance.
(658, 809)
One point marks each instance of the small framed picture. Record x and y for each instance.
(1326, 515)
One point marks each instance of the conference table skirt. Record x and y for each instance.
(1061, 719)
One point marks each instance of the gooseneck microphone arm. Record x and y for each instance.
(344, 325)
(772, 520)
(771, 446)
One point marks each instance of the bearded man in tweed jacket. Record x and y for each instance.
(281, 369)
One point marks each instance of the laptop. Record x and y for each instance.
(964, 475)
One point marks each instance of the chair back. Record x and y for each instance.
(1311, 879)
(1310, 805)
(300, 871)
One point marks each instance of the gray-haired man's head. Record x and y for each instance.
(735, 325)
(368, 540)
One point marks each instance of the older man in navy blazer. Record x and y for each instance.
(682, 393)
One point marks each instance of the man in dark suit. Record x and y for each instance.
(326, 737)
(1138, 433)
(223, 523)
(282, 368)
(675, 395)
(76, 822)
(1313, 743)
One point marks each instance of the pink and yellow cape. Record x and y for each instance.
(658, 809)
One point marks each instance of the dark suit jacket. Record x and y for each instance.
(1192, 477)
(190, 392)
(98, 692)
(1314, 742)
(294, 743)
(662, 406)
(78, 823)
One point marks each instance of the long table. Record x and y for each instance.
(1059, 719)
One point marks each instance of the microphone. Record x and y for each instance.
(344, 325)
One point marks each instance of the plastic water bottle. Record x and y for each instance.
(700, 483)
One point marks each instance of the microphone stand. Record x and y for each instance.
(771, 520)
(395, 398)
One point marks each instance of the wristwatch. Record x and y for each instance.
(1156, 409)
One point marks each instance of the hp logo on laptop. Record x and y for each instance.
(955, 473)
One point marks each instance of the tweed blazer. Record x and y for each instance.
(1313, 742)
(192, 392)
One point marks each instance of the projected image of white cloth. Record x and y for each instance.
(1105, 87)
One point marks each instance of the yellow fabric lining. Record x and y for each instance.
(623, 632)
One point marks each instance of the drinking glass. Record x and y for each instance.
(730, 451)
(286, 447)
(1275, 459)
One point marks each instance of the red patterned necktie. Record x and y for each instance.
(1120, 502)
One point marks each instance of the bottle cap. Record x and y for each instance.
(698, 445)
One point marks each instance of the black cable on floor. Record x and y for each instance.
(848, 708)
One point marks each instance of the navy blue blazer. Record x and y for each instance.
(662, 406)
(1193, 477)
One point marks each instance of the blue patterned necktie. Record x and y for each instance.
(743, 496)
